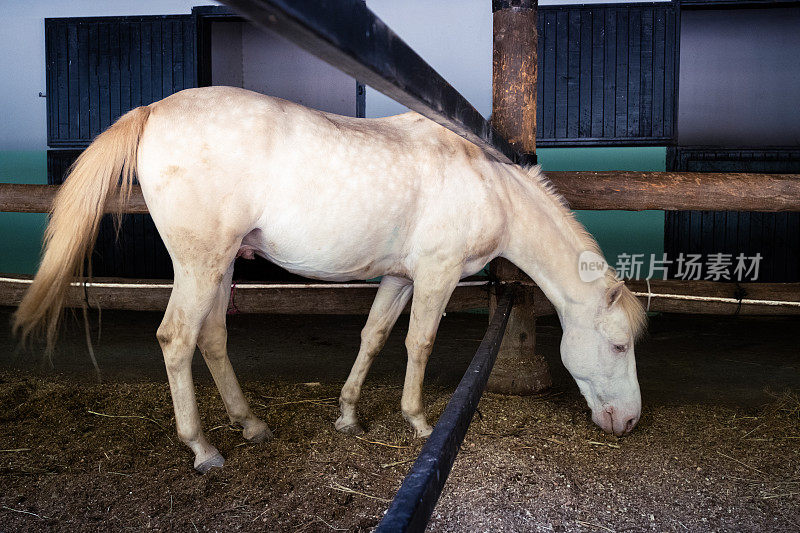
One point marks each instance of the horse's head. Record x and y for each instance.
(597, 349)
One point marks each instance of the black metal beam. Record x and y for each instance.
(349, 36)
(412, 506)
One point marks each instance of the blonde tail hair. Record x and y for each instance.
(108, 164)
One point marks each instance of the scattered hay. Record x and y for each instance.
(379, 443)
(609, 444)
(341, 488)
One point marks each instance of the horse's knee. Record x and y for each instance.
(419, 347)
(172, 334)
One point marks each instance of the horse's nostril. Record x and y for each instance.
(629, 424)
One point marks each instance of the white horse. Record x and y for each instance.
(225, 171)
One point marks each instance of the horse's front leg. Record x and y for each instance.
(392, 297)
(432, 289)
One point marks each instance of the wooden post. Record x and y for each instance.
(518, 369)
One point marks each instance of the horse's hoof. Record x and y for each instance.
(215, 461)
(423, 433)
(348, 428)
(257, 433)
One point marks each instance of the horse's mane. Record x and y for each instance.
(631, 306)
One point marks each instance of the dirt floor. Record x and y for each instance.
(717, 449)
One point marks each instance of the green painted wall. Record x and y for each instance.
(21, 233)
(616, 231)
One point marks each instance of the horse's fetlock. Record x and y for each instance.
(240, 417)
(188, 437)
(349, 395)
(411, 412)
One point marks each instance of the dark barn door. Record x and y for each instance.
(607, 75)
(98, 69)
(776, 236)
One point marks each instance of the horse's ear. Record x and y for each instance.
(614, 293)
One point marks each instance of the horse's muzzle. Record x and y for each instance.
(618, 421)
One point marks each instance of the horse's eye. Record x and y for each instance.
(620, 348)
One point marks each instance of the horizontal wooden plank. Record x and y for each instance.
(638, 191)
(269, 298)
(624, 190)
(714, 298)
(28, 198)
(670, 296)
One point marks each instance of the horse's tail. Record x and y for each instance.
(108, 164)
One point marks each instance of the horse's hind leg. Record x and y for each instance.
(192, 297)
(392, 297)
(212, 342)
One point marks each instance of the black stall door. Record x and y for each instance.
(98, 69)
(776, 236)
(607, 75)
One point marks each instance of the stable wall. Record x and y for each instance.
(23, 114)
(460, 51)
(244, 56)
(21, 233)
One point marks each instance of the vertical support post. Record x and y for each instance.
(519, 370)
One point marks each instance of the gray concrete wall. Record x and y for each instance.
(272, 65)
(244, 56)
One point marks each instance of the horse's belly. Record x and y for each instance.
(330, 260)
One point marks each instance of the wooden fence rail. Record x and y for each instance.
(24, 198)
(250, 297)
(676, 296)
(678, 191)
(623, 190)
